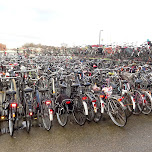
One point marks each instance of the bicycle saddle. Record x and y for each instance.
(10, 92)
(124, 81)
(87, 84)
(74, 85)
(28, 90)
(138, 81)
(43, 89)
(63, 86)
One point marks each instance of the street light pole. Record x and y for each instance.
(99, 36)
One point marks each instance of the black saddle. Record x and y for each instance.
(28, 90)
(10, 92)
(138, 81)
(43, 89)
(87, 84)
(63, 86)
(75, 85)
(124, 81)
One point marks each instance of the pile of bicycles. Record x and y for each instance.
(45, 87)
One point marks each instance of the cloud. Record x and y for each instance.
(74, 22)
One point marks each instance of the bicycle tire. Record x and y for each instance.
(78, 112)
(27, 111)
(98, 114)
(128, 103)
(90, 115)
(28, 124)
(138, 102)
(62, 116)
(46, 118)
(39, 118)
(28, 120)
(147, 108)
(117, 112)
(11, 125)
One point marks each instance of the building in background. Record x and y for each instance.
(2, 47)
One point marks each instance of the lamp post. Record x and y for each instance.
(100, 36)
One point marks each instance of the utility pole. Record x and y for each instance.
(100, 36)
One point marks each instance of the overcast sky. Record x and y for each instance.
(74, 22)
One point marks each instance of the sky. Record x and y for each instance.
(74, 22)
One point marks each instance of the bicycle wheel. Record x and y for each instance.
(78, 112)
(62, 115)
(39, 118)
(128, 103)
(28, 119)
(147, 103)
(11, 125)
(46, 118)
(28, 107)
(90, 115)
(98, 114)
(116, 112)
(138, 102)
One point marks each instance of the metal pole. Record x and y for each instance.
(99, 36)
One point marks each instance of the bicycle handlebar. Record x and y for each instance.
(25, 71)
